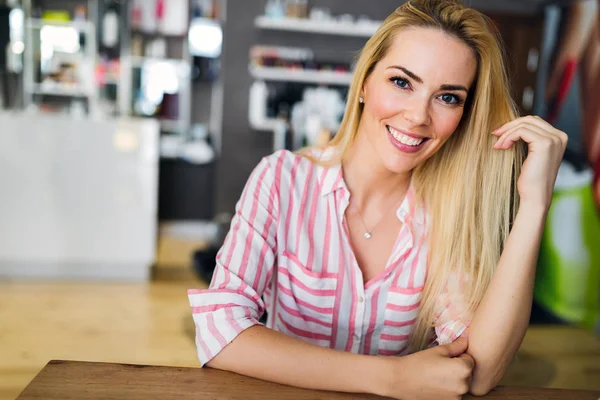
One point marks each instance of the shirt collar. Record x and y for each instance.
(412, 210)
(332, 178)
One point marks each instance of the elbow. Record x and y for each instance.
(485, 377)
(481, 387)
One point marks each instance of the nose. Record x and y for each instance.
(417, 111)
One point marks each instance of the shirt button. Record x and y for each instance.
(361, 299)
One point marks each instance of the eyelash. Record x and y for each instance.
(458, 99)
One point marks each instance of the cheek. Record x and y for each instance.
(384, 104)
(447, 122)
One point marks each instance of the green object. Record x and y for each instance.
(568, 271)
(56, 16)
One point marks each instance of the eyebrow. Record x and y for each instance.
(414, 76)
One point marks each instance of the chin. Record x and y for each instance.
(399, 163)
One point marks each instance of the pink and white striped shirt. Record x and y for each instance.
(288, 253)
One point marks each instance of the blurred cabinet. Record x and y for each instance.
(523, 36)
(80, 197)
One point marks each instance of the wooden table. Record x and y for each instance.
(82, 380)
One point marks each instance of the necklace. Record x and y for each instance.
(369, 232)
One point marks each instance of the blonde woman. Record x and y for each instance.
(396, 261)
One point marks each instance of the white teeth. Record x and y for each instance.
(404, 139)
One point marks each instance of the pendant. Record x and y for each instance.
(368, 235)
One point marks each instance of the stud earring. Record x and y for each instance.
(361, 100)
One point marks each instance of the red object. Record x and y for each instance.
(563, 90)
(160, 9)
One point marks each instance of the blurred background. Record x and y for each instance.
(129, 127)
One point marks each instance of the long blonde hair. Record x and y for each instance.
(469, 188)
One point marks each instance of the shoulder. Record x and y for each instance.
(295, 168)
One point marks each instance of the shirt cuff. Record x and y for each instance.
(450, 331)
(215, 330)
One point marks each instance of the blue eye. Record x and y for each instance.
(451, 98)
(400, 82)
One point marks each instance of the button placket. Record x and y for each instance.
(360, 312)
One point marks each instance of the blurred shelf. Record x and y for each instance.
(81, 26)
(157, 34)
(267, 124)
(361, 29)
(59, 90)
(109, 81)
(172, 125)
(298, 75)
(138, 61)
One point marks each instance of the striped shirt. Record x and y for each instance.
(288, 253)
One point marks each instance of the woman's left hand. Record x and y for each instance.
(546, 149)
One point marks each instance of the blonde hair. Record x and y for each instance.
(469, 189)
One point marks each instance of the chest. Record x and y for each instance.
(373, 254)
(327, 239)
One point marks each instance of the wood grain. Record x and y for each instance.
(76, 380)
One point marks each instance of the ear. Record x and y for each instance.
(362, 98)
(363, 91)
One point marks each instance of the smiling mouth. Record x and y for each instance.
(406, 139)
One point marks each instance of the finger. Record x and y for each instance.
(555, 135)
(540, 126)
(469, 363)
(467, 359)
(522, 125)
(456, 348)
(528, 136)
(530, 119)
(526, 133)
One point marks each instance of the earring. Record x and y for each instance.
(361, 100)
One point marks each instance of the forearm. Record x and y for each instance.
(263, 353)
(501, 320)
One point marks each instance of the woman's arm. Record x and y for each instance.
(501, 320)
(244, 264)
(266, 354)
(440, 373)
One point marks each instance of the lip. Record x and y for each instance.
(412, 135)
(406, 148)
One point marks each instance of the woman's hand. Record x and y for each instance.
(546, 148)
(440, 373)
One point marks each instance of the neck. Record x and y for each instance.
(370, 183)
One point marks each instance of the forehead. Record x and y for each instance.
(433, 55)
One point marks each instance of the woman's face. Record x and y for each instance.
(414, 97)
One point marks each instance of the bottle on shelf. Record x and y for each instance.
(275, 9)
(297, 9)
(302, 8)
(174, 17)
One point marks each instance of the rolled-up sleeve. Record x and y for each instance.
(451, 313)
(244, 264)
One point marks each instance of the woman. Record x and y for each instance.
(396, 235)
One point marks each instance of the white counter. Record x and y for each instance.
(78, 198)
